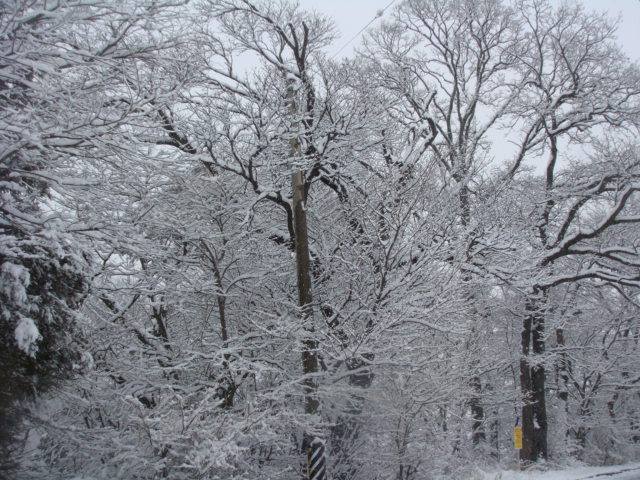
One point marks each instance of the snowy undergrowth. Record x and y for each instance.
(630, 471)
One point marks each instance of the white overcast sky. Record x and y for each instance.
(351, 15)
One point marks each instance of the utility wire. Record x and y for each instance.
(378, 15)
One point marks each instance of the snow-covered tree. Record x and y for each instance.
(452, 283)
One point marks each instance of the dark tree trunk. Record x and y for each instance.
(532, 381)
(563, 368)
(477, 412)
(303, 265)
(303, 269)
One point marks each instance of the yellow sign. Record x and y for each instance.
(517, 438)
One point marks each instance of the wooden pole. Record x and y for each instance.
(303, 266)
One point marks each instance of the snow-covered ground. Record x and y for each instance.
(630, 471)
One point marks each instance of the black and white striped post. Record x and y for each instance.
(316, 460)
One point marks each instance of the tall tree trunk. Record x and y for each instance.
(309, 352)
(532, 381)
(563, 368)
(227, 384)
(475, 383)
(303, 266)
(477, 411)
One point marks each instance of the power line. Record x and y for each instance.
(379, 14)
